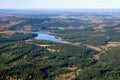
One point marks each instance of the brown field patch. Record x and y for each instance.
(81, 27)
(53, 50)
(13, 78)
(5, 19)
(103, 48)
(71, 68)
(6, 26)
(100, 27)
(43, 45)
(8, 32)
(117, 29)
(96, 57)
(68, 76)
(111, 44)
(94, 48)
(46, 57)
(27, 28)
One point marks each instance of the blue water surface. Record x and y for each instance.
(45, 36)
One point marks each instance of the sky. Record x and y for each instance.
(38, 4)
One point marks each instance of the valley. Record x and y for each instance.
(59, 45)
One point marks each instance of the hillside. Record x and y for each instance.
(89, 51)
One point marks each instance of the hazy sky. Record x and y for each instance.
(28, 4)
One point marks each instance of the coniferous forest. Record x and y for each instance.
(90, 47)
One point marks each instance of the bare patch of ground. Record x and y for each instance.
(8, 32)
(27, 28)
(94, 48)
(5, 19)
(69, 76)
(13, 78)
(117, 29)
(81, 27)
(25, 57)
(14, 46)
(53, 50)
(100, 28)
(6, 26)
(71, 68)
(74, 44)
(96, 57)
(49, 49)
(43, 45)
(46, 57)
(101, 49)
(110, 45)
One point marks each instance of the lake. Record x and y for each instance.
(45, 36)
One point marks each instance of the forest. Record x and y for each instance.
(90, 48)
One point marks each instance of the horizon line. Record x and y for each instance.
(51, 8)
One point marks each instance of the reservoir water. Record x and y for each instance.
(45, 36)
